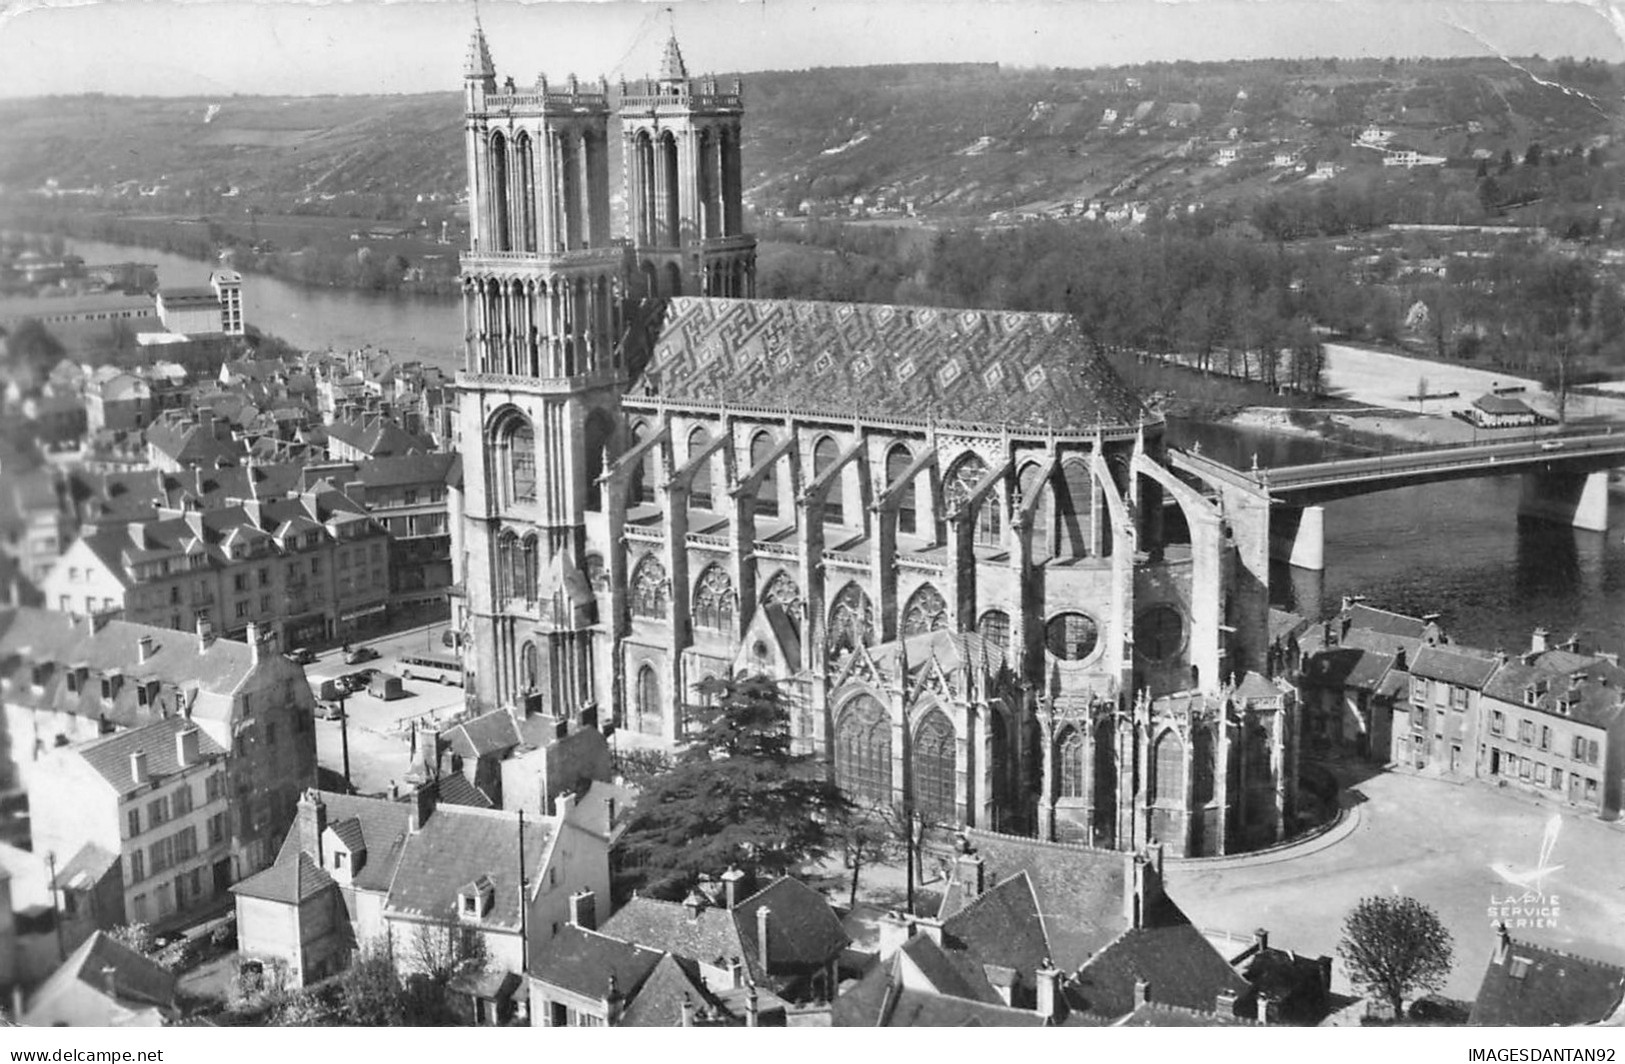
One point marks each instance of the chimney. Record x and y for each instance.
(1503, 943)
(1401, 660)
(687, 1011)
(205, 634)
(971, 873)
(564, 805)
(256, 644)
(1048, 978)
(1142, 887)
(1500, 657)
(752, 1007)
(138, 767)
(394, 791)
(1261, 939)
(186, 746)
(615, 1001)
(1537, 641)
(696, 903)
(110, 980)
(422, 808)
(1224, 1002)
(584, 910)
(733, 887)
(763, 925)
(1265, 1009)
(311, 821)
(931, 929)
(1142, 992)
(894, 933)
(143, 650)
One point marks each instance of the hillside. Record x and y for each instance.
(969, 142)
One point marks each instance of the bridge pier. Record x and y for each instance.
(1299, 536)
(1576, 499)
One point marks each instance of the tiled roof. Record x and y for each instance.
(1181, 966)
(383, 832)
(453, 788)
(1526, 985)
(921, 1008)
(136, 980)
(951, 972)
(1386, 622)
(1156, 1014)
(803, 932)
(30, 636)
(85, 867)
(1003, 927)
(489, 734)
(1461, 667)
(710, 935)
(349, 832)
(395, 471)
(987, 367)
(659, 1001)
(1079, 890)
(584, 962)
(456, 845)
(109, 755)
(1491, 403)
(289, 881)
(377, 437)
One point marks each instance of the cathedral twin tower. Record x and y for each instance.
(953, 536)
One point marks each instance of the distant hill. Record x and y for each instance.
(969, 141)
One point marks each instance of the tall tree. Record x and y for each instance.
(738, 795)
(1395, 947)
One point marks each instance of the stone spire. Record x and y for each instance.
(479, 63)
(672, 67)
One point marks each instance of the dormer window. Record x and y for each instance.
(110, 683)
(1529, 696)
(41, 674)
(475, 900)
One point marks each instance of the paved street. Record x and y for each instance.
(379, 730)
(1435, 841)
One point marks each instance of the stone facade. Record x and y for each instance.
(943, 530)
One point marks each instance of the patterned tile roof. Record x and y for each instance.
(985, 367)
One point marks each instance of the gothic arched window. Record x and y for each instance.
(934, 763)
(926, 612)
(699, 490)
(650, 711)
(513, 449)
(767, 489)
(863, 750)
(1075, 501)
(649, 589)
(1202, 750)
(647, 473)
(1169, 757)
(528, 574)
(528, 673)
(1069, 755)
(963, 479)
(825, 454)
(851, 622)
(508, 563)
(898, 459)
(784, 592)
(1071, 636)
(714, 600)
(995, 628)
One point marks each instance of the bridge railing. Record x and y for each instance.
(1532, 447)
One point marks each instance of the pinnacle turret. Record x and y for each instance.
(479, 63)
(672, 67)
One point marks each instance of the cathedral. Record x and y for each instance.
(955, 536)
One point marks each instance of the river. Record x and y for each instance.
(1457, 549)
(426, 328)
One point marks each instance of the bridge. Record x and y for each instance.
(1565, 479)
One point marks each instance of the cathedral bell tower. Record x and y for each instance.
(538, 398)
(680, 146)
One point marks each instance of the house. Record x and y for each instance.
(138, 823)
(1437, 729)
(406, 877)
(372, 436)
(590, 979)
(1554, 726)
(1226, 156)
(1527, 985)
(1412, 159)
(1375, 136)
(1066, 934)
(1354, 671)
(65, 681)
(1491, 411)
(515, 761)
(103, 983)
(1323, 172)
(179, 440)
(784, 940)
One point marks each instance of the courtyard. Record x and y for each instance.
(1446, 844)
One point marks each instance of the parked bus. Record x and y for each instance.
(440, 667)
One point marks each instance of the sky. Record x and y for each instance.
(223, 47)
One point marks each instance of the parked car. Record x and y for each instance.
(356, 655)
(330, 710)
(302, 656)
